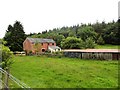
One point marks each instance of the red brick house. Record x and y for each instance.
(43, 44)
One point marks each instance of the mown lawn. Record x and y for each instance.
(107, 46)
(46, 72)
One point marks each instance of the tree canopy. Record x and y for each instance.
(15, 36)
(86, 32)
(101, 33)
(72, 43)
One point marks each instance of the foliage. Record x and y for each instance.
(86, 32)
(30, 53)
(2, 42)
(111, 33)
(58, 39)
(44, 72)
(37, 47)
(107, 46)
(77, 43)
(6, 57)
(100, 41)
(15, 36)
(108, 31)
(72, 43)
(89, 43)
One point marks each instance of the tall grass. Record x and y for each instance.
(44, 72)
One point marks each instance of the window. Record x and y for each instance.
(43, 50)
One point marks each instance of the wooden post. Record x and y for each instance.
(6, 79)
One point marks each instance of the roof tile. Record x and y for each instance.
(40, 40)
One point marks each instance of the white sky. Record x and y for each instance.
(40, 15)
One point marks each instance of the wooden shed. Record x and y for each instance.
(101, 54)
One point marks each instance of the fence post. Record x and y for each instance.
(6, 80)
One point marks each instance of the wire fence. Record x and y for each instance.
(0, 52)
(0, 65)
(11, 79)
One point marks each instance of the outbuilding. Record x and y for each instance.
(101, 54)
(54, 48)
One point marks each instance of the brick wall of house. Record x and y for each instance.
(28, 46)
(45, 45)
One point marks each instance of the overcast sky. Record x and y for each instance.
(40, 15)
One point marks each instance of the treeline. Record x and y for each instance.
(77, 36)
(101, 33)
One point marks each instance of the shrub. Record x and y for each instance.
(100, 41)
(30, 53)
(89, 43)
(72, 43)
(6, 57)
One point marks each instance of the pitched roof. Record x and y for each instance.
(40, 40)
(54, 47)
(93, 50)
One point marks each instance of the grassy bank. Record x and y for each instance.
(107, 46)
(44, 72)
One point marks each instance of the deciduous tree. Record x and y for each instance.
(72, 43)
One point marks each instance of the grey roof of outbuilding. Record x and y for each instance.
(54, 47)
(40, 40)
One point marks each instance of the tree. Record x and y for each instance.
(86, 32)
(72, 43)
(44, 32)
(58, 39)
(108, 31)
(89, 43)
(118, 31)
(15, 36)
(111, 34)
(99, 27)
(100, 41)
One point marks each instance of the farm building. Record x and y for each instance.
(37, 44)
(54, 48)
(101, 54)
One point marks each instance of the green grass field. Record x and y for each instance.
(107, 46)
(46, 72)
